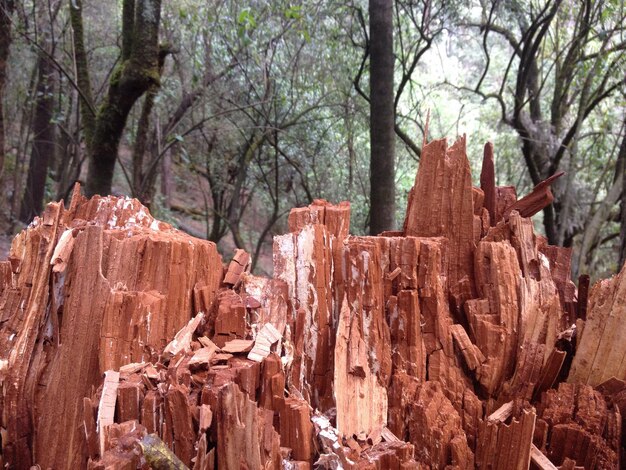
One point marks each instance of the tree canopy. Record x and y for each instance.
(221, 115)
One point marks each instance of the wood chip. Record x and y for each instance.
(537, 457)
(62, 251)
(182, 340)
(266, 337)
(133, 367)
(389, 436)
(203, 356)
(375, 436)
(206, 342)
(106, 407)
(472, 355)
(238, 346)
(151, 372)
(502, 413)
(239, 264)
(220, 357)
(394, 274)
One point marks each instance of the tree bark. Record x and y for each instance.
(143, 184)
(43, 141)
(6, 10)
(134, 76)
(382, 174)
(622, 239)
(145, 173)
(591, 234)
(83, 79)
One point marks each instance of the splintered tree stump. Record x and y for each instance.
(458, 343)
(118, 297)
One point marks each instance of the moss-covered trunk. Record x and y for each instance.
(6, 10)
(136, 74)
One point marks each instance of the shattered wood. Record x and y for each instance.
(459, 342)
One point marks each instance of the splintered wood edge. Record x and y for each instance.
(267, 336)
(388, 435)
(182, 340)
(207, 343)
(238, 346)
(133, 367)
(62, 251)
(106, 407)
(539, 459)
(203, 355)
(502, 413)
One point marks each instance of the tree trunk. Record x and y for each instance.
(591, 234)
(43, 141)
(622, 157)
(382, 175)
(145, 173)
(6, 9)
(134, 76)
(69, 149)
(166, 180)
(143, 188)
(82, 70)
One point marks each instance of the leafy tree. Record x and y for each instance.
(566, 62)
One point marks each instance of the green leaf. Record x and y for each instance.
(294, 12)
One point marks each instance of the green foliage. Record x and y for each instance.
(275, 120)
(246, 23)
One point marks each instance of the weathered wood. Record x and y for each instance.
(296, 429)
(426, 348)
(177, 408)
(435, 430)
(540, 460)
(239, 264)
(494, 318)
(583, 296)
(601, 349)
(441, 168)
(242, 439)
(576, 416)
(91, 430)
(309, 261)
(488, 183)
(265, 338)
(106, 407)
(182, 340)
(540, 197)
(111, 304)
(506, 446)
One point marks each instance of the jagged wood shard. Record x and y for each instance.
(445, 345)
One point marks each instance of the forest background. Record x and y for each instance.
(222, 115)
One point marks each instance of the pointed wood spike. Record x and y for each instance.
(539, 198)
(488, 182)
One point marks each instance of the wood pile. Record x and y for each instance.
(459, 342)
